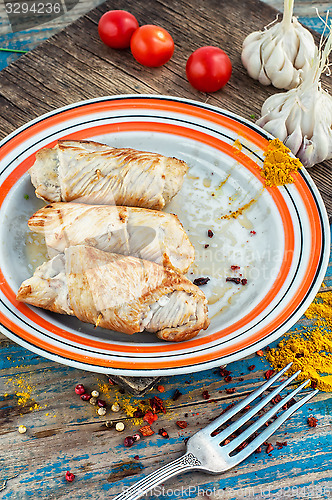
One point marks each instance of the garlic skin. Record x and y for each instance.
(280, 55)
(302, 117)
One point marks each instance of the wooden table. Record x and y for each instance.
(64, 433)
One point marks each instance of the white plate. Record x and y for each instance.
(280, 241)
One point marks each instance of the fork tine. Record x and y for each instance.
(263, 436)
(262, 420)
(248, 415)
(242, 404)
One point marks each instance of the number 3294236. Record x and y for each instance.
(37, 8)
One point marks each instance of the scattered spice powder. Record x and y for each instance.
(239, 211)
(312, 421)
(146, 430)
(150, 417)
(23, 391)
(233, 280)
(279, 167)
(224, 372)
(311, 349)
(269, 373)
(162, 432)
(205, 394)
(182, 424)
(201, 281)
(269, 448)
(157, 405)
(176, 395)
(237, 145)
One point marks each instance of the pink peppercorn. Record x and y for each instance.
(70, 476)
(128, 441)
(101, 403)
(79, 389)
(85, 397)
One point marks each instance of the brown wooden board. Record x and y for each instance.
(74, 64)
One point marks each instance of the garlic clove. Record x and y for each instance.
(263, 78)
(276, 127)
(304, 55)
(318, 147)
(281, 72)
(291, 43)
(295, 140)
(252, 56)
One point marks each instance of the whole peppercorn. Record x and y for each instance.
(120, 426)
(162, 432)
(109, 423)
(93, 401)
(80, 389)
(115, 407)
(22, 429)
(70, 476)
(128, 441)
(95, 394)
(136, 437)
(85, 397)
(138, 413)
(101, 403)
(102, 411)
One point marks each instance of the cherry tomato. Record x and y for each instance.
(151, 45)
(208, 69)
(116, 27)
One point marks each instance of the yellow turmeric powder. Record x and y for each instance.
(239, 211)
(279, 167)
(23, 392)
(237, 146)
(311, 350)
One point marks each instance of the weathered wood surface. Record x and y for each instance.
(63, 432)
(74, 64)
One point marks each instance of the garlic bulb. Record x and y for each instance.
(281, 54)
(302, 117)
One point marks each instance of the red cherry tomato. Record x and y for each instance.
(208, 69)
(151, 45)
(116, 27)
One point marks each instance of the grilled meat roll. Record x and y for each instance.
(140, 232)
(119, 293)
(94, 173)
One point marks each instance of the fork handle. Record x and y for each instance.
(187, 462)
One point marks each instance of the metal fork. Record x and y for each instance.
(205, 449)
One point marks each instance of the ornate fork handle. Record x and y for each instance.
(182, 464)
